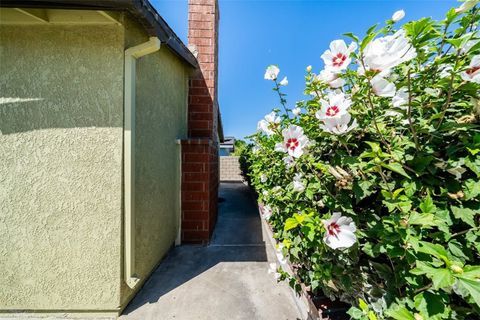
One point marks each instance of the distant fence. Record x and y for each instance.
(230, 169)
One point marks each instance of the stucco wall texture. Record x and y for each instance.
(161, 119)
(61, 193)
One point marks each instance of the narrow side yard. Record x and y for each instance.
(226, 280)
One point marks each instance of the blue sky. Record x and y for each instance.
(291, 34)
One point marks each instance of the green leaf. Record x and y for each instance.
(362, 304)
(399, 313)
(351, 36)
(299, 217)
(410, 188)
(290, 223)
(397, 192)
(374, 146)
(396, 167)
(451, 14)
(355, 313)
(471, 272)
(427, 205)
(422, 219)
(442, 278)
(372, 28)
(472, 189)
(468, 287)
(435, 250)
(465, 214)
(473, 151)
(372, 315)
(431, 304)
(473, 165)
(362, 189)
(456, 249)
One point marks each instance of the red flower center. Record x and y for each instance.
(339, 59)
(292, 143)
(333, 229)
(473, 70)
(332, 111)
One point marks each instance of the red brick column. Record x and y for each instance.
(199, 189)
(200, 163)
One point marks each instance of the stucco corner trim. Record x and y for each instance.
(131, 54)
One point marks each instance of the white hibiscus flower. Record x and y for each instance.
(340, 231)
(445, 70)
(272, 269)
(296, 111)
(270, 122)
(294, 141)
(472, 74)
(336, 105)
(267, 212)
(272, 72)
(468, 45)
(331, 78)
(339, 125)
(387, 52)
(298, 185)
(337, 58)
(289, 161)
(382, 87)
(263, 178)
(401, 98)
(279, 252)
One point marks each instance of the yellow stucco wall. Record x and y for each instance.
(161, 119)
(61, 202)
(61, 167)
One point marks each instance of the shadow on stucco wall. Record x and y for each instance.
(31, 114)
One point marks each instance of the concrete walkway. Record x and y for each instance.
(227, 280)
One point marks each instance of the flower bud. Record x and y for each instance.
(309, 68)
(456, 269)
(398, 15)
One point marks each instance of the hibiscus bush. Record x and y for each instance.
(371, 184)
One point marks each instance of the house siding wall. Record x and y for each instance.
(61, 167)
(161, 119)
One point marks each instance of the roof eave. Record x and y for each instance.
(141, 10)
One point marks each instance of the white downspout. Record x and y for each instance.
(131, 54)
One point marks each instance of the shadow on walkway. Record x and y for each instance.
(226, 280)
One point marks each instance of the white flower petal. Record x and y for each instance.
(382, 87)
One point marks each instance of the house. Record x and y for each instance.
(227, 146)
(109, 134)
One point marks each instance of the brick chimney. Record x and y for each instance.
(200, 164)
